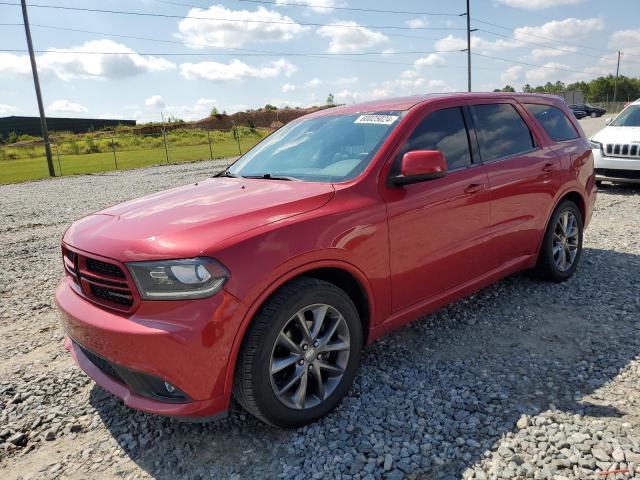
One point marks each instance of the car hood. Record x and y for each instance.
(612, 134)
(186, 221)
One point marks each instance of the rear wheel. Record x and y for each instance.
(562, 244)
(300, 355)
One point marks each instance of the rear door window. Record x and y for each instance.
(446, 131)
(554, 121)
(501, 131)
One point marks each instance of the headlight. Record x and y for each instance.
(176, 279)
(596, 145)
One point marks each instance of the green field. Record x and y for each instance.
(29, 163)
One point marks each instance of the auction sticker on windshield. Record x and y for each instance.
(377, 119)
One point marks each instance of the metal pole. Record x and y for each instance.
(468, 48)
(615, 82)
(34, 69)
(164, 134)
(113, 149)
(237, 135)
(210, 149)
(58, 156)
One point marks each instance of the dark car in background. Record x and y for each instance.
(590, 110)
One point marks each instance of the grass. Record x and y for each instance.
(29, 163)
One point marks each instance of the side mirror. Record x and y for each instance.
(421, 165)
(608, 120)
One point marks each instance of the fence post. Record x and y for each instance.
(113, 149)
(4, 157)
(164, 134)
(210, 149)
(237, 135)
(58, 156)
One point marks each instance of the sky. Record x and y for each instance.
(190, 56)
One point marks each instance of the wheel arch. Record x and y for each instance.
(342, 274)
(574, 196)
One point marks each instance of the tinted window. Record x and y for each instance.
(501, 131)
(554, 122)
(443, 130)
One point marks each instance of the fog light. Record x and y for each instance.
(169, 388)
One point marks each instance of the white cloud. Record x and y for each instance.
(416, 23)
(537, 4)
(559, 30)
(551, 71)
(65, 106)
(315, 5)
(313, 83)
(454, 44)
(87, 61)
(345, 81)
(195, 111)
(288, 87)
(155, 101)
(542, 53)
(223, 27)
(429, 61)
(236, 70)
(8, 109)
(351, 38)
(512, 74)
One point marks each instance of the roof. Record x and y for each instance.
(406, 103)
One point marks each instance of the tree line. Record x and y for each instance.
(597, 90)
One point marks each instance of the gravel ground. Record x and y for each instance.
(522, 380)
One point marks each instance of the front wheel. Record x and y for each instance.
(300, 354)
(562, 243)
(594, 114)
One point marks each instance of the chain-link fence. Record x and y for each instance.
(122, 149)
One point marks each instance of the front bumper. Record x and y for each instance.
(185, 343)
(616, 169)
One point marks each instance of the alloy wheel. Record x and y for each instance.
(566, 240)
(310, 356)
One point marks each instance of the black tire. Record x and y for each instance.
(594, 114)
(253, 385)
(546, 267)
(599, 184)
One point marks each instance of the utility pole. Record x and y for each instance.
(34, 69)
(468, 49)
(615, 82)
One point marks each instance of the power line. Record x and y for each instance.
(547, 46)
(278, 22)
(510, 60)
(326, 7)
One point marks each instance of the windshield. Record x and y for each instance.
(630, 117)
(329, 148)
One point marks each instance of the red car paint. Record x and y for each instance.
(412, 249)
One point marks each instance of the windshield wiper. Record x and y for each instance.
(227, 173)
(269, 176)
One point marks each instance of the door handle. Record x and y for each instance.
(473, 188)
(549, 167)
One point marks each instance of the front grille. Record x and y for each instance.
(112, 295)
(625, 150)
(104, 268)
(102, 282)
(103, 365)
(615, 173)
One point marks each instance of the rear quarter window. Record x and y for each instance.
(501, 131)
(554, 121)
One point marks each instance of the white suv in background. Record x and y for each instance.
(616, 148)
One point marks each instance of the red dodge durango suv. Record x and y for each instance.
(265, 281)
